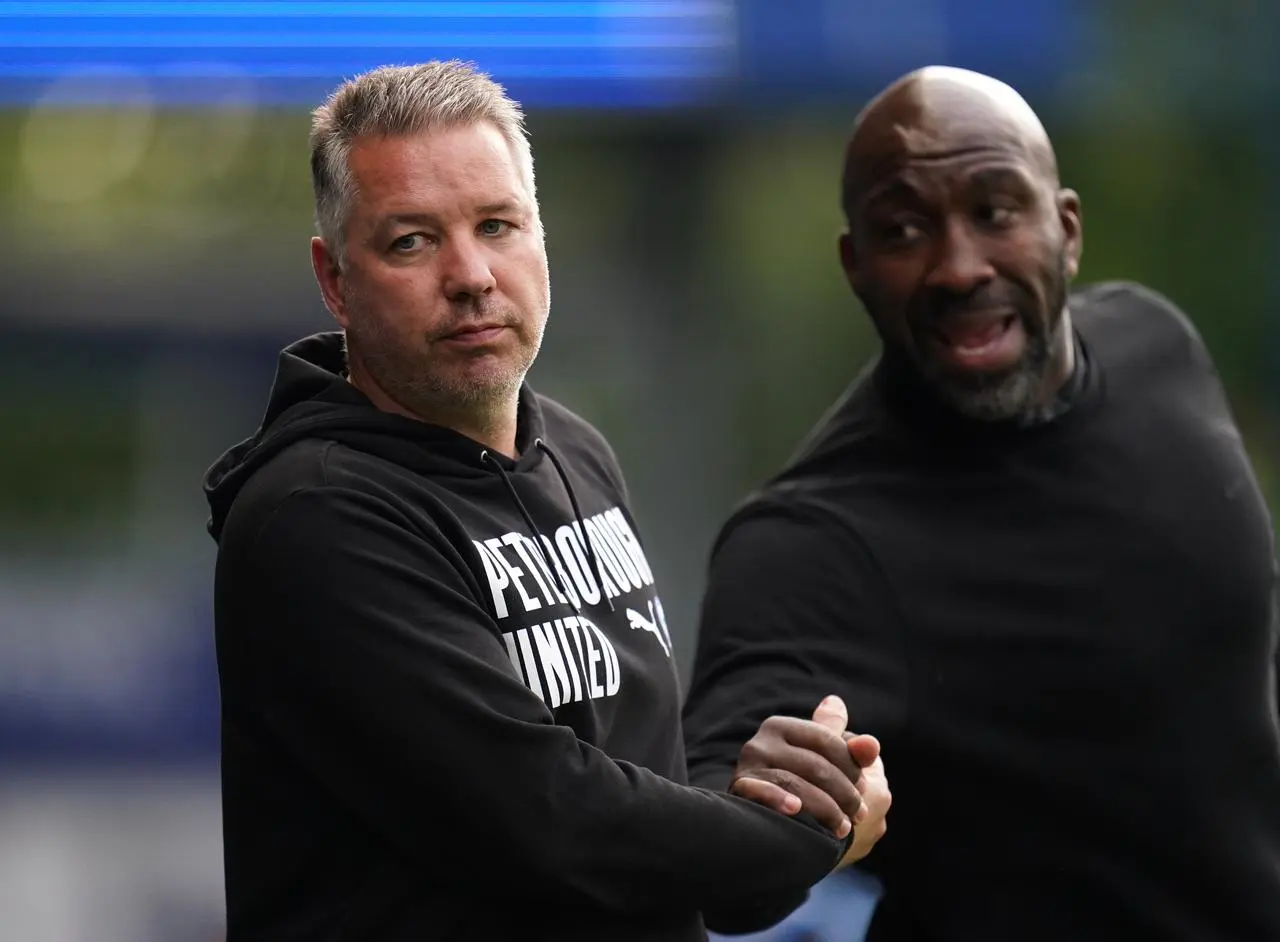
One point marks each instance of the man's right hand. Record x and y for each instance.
(792, 764)
(876, 798)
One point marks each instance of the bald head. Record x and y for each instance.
(937, 113)
(961, 243)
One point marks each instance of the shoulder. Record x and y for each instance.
(794, 569)
(789, 527)
(318, 475)
(1135, 321)
(580, 443)
(1112, 299)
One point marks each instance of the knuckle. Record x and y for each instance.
(784, 779)
(834, 782)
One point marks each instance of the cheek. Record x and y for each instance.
(1030, 264)
(402, 294)
(523, 278)
(885, 290)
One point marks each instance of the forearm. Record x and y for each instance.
(402, 701)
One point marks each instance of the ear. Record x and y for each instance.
(1072, 227)
(329, 277)
(848, 260)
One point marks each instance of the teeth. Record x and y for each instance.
(983, 348)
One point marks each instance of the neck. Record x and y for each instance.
(1062, 361)
(492, 424)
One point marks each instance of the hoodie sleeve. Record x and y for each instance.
(1275, 635)
(383, 675)
(795, 609)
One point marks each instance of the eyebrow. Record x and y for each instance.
(498, 208)
(995, 177)
(895, 188)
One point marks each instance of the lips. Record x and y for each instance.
(476, 329)
(971, 331)
(986, 340)
(475, 335)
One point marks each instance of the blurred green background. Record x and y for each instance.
(154, 260)
(699, 317)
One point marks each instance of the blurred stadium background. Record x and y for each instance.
(154, 216)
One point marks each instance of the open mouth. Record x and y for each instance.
(980, 341)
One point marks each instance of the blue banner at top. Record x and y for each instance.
(646, 53)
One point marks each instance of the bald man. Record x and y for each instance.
(1027, 549)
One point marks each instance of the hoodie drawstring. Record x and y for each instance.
(542, 541)
(543, 447)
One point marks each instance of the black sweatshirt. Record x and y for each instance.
(1064, 635)
(435, 725)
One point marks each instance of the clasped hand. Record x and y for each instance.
(817, 766)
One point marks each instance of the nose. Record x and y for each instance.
(960, 265)
(465, 269)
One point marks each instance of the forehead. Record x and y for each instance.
(443, 165)
(934, 139)
(964, 174)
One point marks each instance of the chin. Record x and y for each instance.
(488, 380)
(1009, 396)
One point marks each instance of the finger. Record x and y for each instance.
(787, 745)
(879, 799)
(874, 774)
(864, 749)
(876, 796)
(832, 714)
(813, 800)
(815, 769)
(767, 794)
(814, 737)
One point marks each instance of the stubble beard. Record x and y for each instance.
(439, 390)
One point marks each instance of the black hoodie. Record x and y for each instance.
(435, 725)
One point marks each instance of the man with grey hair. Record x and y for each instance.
(1028, 550)
(449, 708)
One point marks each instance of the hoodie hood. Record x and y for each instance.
(311, 398)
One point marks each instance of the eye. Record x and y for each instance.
(899, 233)
(408, 243)
(997, 215)
(493, 227)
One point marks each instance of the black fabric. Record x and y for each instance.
(449, 705)
(1063, 634)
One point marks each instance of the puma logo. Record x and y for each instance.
(655, 624)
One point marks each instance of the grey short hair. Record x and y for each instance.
(394, 101)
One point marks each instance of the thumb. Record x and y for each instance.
(864, 749)
(833, 714)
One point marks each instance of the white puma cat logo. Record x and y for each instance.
(656, 624)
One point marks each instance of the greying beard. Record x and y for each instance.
(404, 376)
(1018, 396)
(1015, 396)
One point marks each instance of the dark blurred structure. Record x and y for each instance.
(156, 210)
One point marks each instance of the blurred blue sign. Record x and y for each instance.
(819, 49)
(607, 54)
(106, 670)
(645, 53)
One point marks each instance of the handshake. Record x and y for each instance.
(817, 766)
